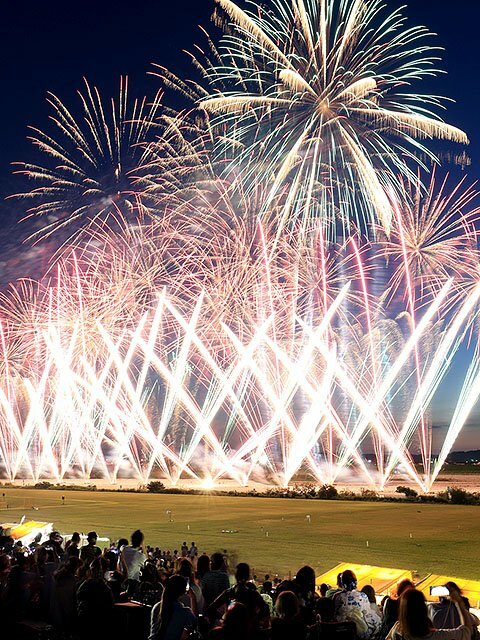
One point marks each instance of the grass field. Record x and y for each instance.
(460, 470)
(271, 534)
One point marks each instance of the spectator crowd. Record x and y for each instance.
(66, 590)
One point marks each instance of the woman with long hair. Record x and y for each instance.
(444, 613)
(304, 588)
(203, 566)
(369, 591)
(390, 606)
(185, 569)
(414, 623)
(287, 623)
(172, 620)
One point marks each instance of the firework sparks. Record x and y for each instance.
(433, 238)
(260, 285)
(320, 93)
(114, 398)
(87, 173)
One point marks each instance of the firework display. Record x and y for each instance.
(89, 171)
(267, 285)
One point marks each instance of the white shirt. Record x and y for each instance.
(134, 560)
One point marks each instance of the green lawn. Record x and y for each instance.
(460, 470)
(444, 537)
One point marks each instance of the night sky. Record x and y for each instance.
(52, 45)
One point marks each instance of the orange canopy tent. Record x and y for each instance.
(26, 531)
(470, 588)
(382, 579)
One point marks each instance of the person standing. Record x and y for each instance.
(90, 551)
(132, 558)
(193, 551)
(72, 549)
(215, 581)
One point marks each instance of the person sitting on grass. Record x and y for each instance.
(414, 623)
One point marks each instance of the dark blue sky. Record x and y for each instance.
(52, 45)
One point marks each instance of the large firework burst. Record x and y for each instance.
(433, 239)
(86, 171)
(319, 93)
